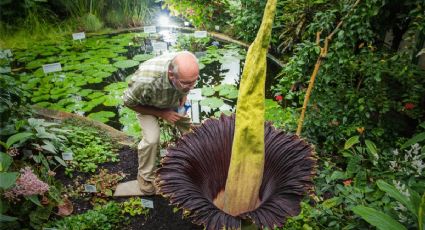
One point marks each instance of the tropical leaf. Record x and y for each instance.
(5, 161)
(18, 138)
(8, 179)
(371, 148)
(415, 139)
(394, 193)
(34, 199)
(5, 218)
(378, 219)
(350, 142)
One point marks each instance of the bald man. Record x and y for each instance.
(156, 90)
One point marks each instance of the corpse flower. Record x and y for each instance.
(194, 173)
(238, 167)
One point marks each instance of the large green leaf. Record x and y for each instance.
(4, 218)
(350, 142)
(17, 138)
(212, 102)
(5, 161)
(378, 219)
(102, 116)
(34, 199)
(371, 148)
(142, 57)
(8, 179)
(421, 213)
(415, 139)
(394, 193)
(126, 64)
(207, 91)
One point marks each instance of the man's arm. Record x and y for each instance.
(166, 114)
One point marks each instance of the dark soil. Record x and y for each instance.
(161, 217)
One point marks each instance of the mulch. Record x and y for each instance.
(161, 217)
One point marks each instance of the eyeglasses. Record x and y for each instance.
(188, 84)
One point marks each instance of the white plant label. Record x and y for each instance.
(195, 113)
(200, 34)
(146, 203)
(89, 188)
(50, 68)
(159, 46)
(149, 29)
(162, 152)
(78, 36)
(186, 23)
(194, 95)
(67, 156)
(217, 27)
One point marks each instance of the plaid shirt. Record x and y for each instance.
(150, 85)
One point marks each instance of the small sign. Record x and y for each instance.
(89, 188)
(186, 23)
(195, 112)
(78, 36)
(149, 29)
(159, 46)
(194, 95)
(67, 156)
(50, 68)
(147, 203)
(217, 27)
(200, 34)
(162, 152)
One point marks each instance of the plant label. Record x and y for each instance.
(147, 203)
(162, 152)
(67, 156)
(200, 34)
(217, 27)
(50, 68)
(159, 46)
(186, 23)
(89, 188)
(149, 29)
(195, 95)
(194, 113)
(78, 36)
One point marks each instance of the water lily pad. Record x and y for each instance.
(112, 100)
(95, 95)
(102, 116)
(142, 57)
(207, 91)
(212, 102)
(228, 91)
(126, 64)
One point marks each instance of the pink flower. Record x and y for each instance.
(27, 184)
(279, 98)
(190, 11)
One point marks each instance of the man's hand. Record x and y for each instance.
(182, 101)
(170, 116)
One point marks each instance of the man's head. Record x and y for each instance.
(184, 71)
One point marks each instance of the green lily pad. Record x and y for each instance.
(225, 112)
(212, 102)
(126, 64)
(142, 57)
(112, 100)
(95, 95)
(102, 116)
(228, 91)
(207, 91)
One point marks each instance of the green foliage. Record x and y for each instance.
(378, 219)
(190, 43)
(104, 217)
(126, 64)
(91, 23)
(283, 118)
(134, 207)
(89, 147)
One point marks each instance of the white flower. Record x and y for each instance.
(395, 152)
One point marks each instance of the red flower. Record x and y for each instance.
(347, 182)
(279, 98)
(409, 106)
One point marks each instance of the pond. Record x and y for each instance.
(93, 73)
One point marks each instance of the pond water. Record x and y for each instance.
(94, 72)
